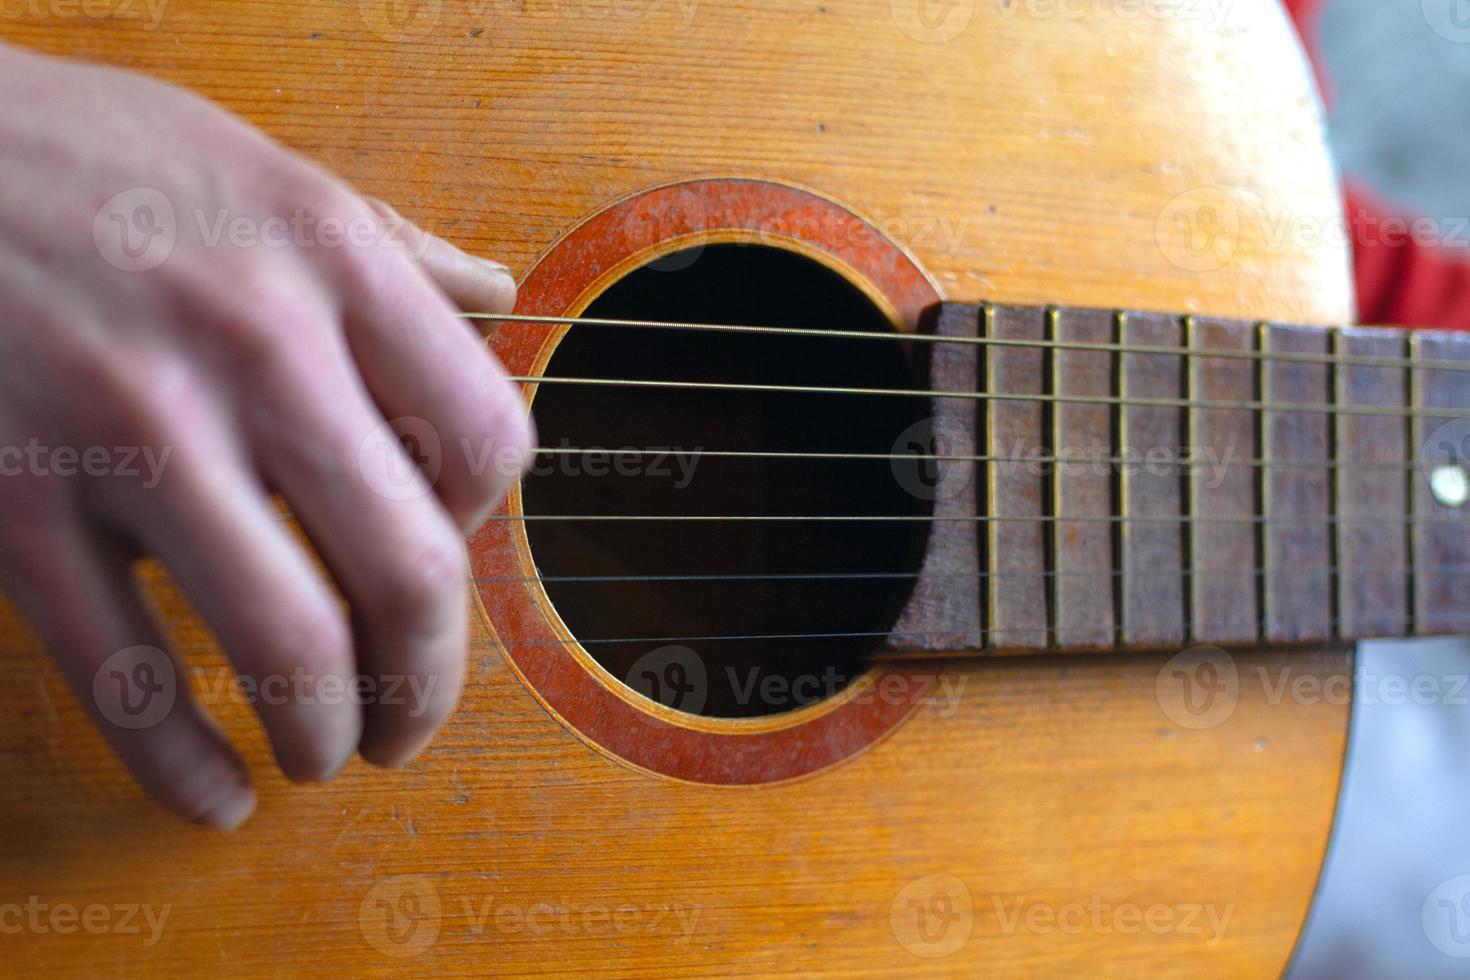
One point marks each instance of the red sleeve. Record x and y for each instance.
(1411, 273)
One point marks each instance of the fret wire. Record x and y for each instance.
(1363, 361)
(1334, 539)
(1284, 408)
(1413, 392)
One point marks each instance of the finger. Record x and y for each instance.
(474, 284)
(392, 549)
(420, 360)
(77, 589)
(215, 529)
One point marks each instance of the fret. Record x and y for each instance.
(1297, 550)
(1152, 600)
(1441, 550)
(1223, 485)
(1372, 554)
(941, 614)
(1083, 489)
(1017, 491)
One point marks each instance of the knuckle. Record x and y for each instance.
(316, 639)
(298, 186)
(258, 342)
(424, 591)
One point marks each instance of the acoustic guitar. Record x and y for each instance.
(950, 532)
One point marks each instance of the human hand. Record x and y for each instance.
(174, 283)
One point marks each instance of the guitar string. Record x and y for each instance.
(1401, 571)
(1276, 408)
(1141, 459)
(1286, 357)
(1187, 628)
(1307, 521)
(1110, 348)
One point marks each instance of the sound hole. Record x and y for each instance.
(739, 617)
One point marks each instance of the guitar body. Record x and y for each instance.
(1037, 815)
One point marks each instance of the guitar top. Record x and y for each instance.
(885, 598)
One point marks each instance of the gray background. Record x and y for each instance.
(1401, 124)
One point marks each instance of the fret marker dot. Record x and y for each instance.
(1450, 485)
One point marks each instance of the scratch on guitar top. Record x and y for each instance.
(408, 824)
(347, 828)
(46, 697)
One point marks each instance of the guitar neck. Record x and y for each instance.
(1146, 481)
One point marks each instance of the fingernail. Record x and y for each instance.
(494, 266)
(229, 810)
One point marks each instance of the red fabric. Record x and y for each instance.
(1404, 272)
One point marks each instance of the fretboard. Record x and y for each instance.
(1145, 481)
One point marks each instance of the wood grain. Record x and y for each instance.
(1099, 161)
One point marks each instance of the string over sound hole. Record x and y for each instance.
(743, 616)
